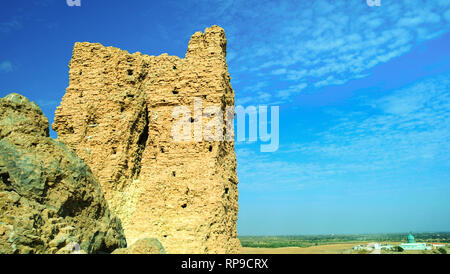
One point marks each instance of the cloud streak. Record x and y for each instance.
(11, 25)
(6, 66)
(399, 133)
(322, 43)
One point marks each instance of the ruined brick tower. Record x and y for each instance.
(117, 116)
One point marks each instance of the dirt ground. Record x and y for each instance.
(345, 248)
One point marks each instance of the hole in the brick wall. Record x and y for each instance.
(81, 72)
(174, 67)
(114, 150)
(227, 190)
(91, 119)
(162, 149)
(165, 236)
(174, 173)
(130, 72)
(191, 119)
(175, 91)
(204, 96)
(184, 205)
(122, 108)
(142, 76)
(210, 148)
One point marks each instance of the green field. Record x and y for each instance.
(315, 240)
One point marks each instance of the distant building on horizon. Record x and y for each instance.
(412, 245)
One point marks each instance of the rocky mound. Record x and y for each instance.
(143, 246)
(49, 199)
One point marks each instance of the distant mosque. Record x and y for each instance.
(412, 245)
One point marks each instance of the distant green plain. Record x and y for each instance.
(314, 240)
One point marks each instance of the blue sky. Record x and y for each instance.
(363, 94)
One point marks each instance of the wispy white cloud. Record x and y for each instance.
(259, 96)
(6, 66)
(11, 25)
(286, 93)
(447, 15)
(279, 71)
(324, 42)
(398, 132)
(329, 82)
(412, 123)
(255, 87)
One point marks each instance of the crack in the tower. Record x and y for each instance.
(141, 143)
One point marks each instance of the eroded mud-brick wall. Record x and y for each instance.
(117, 116)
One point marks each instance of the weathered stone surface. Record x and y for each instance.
(19, 116)
(117, 116)
(49, 198)
(143, 246)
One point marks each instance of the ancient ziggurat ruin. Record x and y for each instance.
(116, 115)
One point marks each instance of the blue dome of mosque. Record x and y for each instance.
(410, 238)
